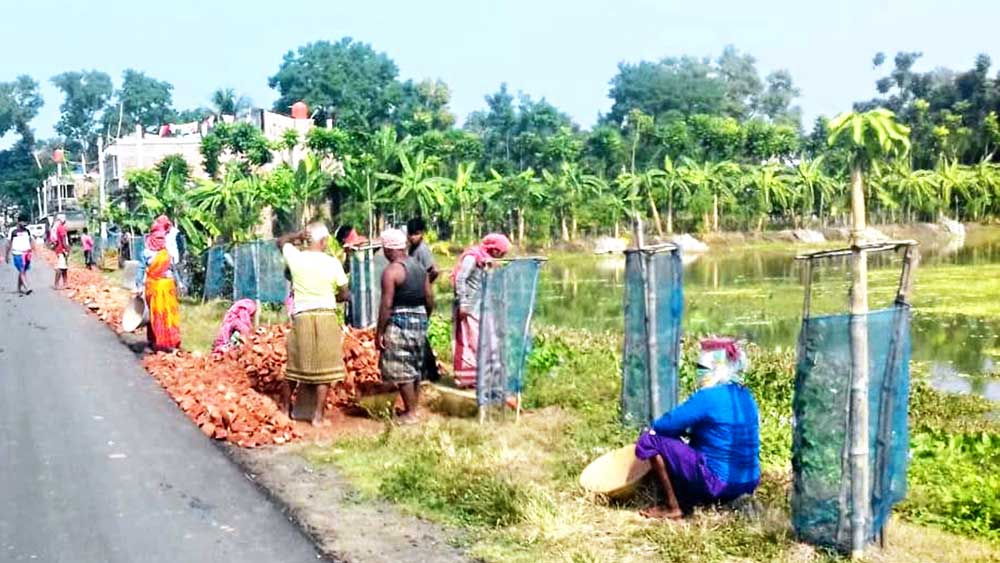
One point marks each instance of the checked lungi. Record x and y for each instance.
(405, 342)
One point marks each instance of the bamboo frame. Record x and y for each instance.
(854, 459)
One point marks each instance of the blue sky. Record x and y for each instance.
(565, 51)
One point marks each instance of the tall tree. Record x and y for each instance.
(347, 81)
(20, 172)
(142, 100)
(742, 82)
(685, 84)
(85, 94)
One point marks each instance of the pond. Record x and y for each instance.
(757, 294)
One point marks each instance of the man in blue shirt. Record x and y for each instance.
(720, 461)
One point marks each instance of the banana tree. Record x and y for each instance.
(570, 187)
(711, 184)
(645, 185)
(768, 188)
(674, 183)
(867, 137)
(812, 186)
(293, 190)
(416, 187)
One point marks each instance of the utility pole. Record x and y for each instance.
(59, 185)
(101, 188)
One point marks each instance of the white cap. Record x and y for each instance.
(317, 232)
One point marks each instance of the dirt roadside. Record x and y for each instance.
(325, 506)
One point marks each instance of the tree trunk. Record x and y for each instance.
(520, 227)
(715, 212)
(670, 213)
(859, 446)
(564, 226)
(573, 227)
(656, 214)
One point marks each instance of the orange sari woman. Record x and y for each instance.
(157, 280)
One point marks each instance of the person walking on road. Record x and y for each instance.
(61, 241)
(87, 242)
(156, 279)
(467, 278)
(19, 248)
(315, 347)
(407, 303)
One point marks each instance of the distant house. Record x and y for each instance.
(143, 150)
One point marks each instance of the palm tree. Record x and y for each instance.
(868, 137)
(226, 102)
(571, 188)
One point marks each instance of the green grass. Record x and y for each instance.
(514, 487)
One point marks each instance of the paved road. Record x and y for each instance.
(98, 465)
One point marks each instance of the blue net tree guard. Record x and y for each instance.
(654, 304)
(821, 499)
(366, 265)
(217, 270)
(259, 272)
(136, 245)
(508, 302)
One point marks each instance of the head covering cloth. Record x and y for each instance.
(156, 240)
(493, 242)
(722, 360)
(393, 239)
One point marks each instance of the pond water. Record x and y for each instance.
(757, 294)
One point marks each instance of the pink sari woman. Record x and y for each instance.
(467, 279)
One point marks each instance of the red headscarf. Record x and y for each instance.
(495, 242)
(156, 240)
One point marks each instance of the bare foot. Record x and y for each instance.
(406, 419)
(660, 513)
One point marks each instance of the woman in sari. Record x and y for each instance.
(467, 278)
(155, 278)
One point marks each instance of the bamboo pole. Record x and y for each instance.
(859, 438)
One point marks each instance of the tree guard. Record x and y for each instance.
(826, 509)
(654, 303)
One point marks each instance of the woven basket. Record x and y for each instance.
(615, 474)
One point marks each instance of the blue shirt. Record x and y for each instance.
(723, 425)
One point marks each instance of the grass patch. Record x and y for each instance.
(514, 487)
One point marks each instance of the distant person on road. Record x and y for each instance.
(467, 278)
(315, 348)
(401, 337)
(19, 248)
(157, 280)
(60, 240)
(87, 242)
(721, 460)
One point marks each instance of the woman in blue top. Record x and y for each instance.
(720, 460)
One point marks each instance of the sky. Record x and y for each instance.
(565, 51)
